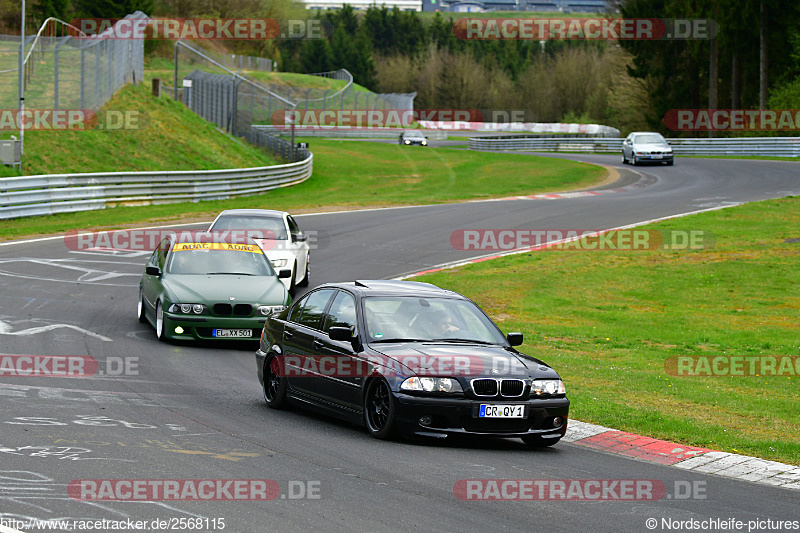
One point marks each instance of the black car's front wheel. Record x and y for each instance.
(380, 410)
(274, 384)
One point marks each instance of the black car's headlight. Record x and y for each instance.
(188, 309)
(547, 386)
(267, 310)
(428, 384)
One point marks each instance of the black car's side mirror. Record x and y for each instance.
(152, 270)
(299, 237)
(514, 339)
(340, 333)
(285, 273)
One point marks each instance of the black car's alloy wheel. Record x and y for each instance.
(379, 410)
(274, 384)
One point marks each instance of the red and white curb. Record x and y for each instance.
(649, 449)
(725, 464)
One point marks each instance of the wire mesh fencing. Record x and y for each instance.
(69, 72)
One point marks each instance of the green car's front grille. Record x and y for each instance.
(232, 310)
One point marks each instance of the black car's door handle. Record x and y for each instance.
(317, 344)
(288, 334)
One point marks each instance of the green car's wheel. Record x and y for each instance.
(142, 317)
(160, 321)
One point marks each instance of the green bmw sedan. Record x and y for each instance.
(209, 290)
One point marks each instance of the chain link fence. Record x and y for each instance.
(68, 72)
(236, 102)
(240, 62)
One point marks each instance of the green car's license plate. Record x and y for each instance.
(233, 332)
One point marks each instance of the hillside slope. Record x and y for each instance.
(160, 135)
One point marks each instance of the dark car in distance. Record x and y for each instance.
(408, 358)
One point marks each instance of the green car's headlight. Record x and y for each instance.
(429, 384)
(187, 309)
(267, 310)
(547, 386)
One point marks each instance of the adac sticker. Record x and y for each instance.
(189, 246)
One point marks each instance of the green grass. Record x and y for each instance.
(167, 136)
(353, 174)
(608, 320)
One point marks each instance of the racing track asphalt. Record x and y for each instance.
(196, 412)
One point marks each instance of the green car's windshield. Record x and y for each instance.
(217, 261)
(416, 319)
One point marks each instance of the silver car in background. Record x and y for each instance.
(646, 147)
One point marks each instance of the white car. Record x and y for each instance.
(278, 235)
(646, 146)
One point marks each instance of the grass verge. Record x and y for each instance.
(161, 135)
(356, 174)
(607, 321)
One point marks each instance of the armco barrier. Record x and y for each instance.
(62, 193)
(348, 132)
(764, 146)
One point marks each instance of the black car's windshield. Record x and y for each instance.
(268, 227)
(417, 319)
(207, 258)
(650, 139)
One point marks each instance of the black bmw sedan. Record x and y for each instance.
(408, 358)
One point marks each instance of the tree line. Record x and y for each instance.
(752, 62)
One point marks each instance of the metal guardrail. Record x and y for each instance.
(63, 193)
(348, 132)
(764, 146)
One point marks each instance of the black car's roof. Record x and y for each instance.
(385, 287)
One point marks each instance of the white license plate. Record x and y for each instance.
(656, 156)
(502, 411)
(233, 332)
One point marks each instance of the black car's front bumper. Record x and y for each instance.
(459, 416)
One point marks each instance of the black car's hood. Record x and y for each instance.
(451, 359)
